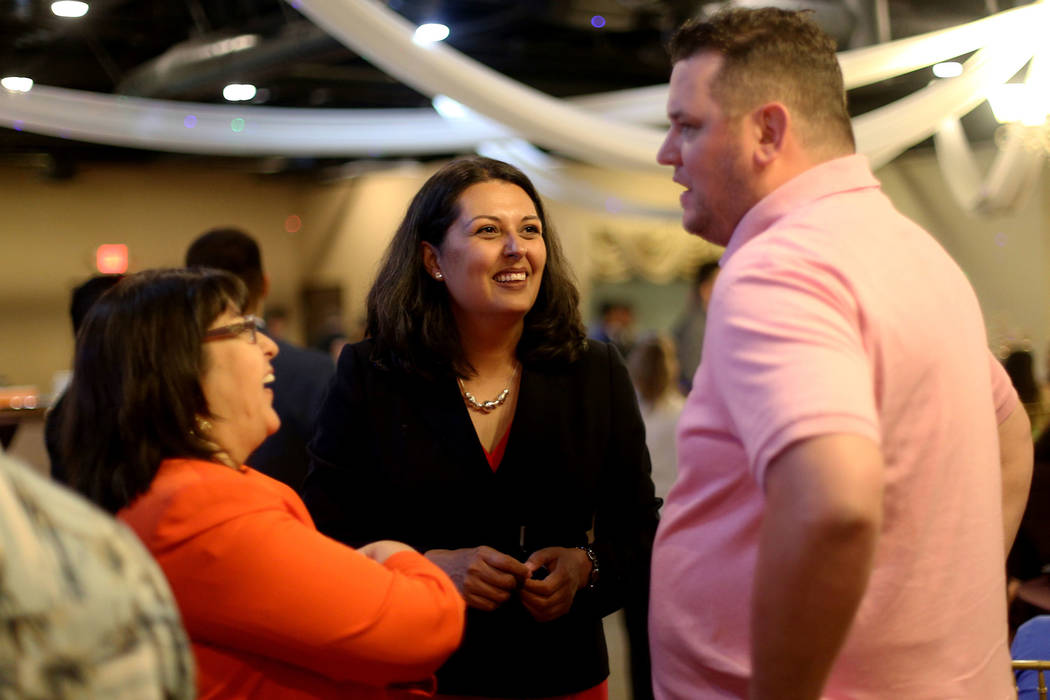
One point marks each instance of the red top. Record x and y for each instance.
(598, 692)
(273, 608)
(496, 456)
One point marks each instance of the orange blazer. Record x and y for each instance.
(275, 609)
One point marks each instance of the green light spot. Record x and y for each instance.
(237, 124)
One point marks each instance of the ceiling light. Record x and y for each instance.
(69, 8)
(430, 33)
(237, 92)
(1018, 102)
(448, 108)
(14, 83)
(948, 69)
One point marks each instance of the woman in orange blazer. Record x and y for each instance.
(169, 397)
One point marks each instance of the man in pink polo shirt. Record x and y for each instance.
(853, 462)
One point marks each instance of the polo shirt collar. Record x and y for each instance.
(830, 177)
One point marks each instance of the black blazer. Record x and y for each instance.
(397, 457)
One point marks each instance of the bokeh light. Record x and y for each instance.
(237, 124)
(293, 223)
(112, 258)
(430, 33)
(69, 8)
(190, 121)
(597, 21)
(14, 83)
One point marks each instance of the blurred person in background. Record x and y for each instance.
(84, 297)
(615, 325)
(302, 374)
(688, 331)
(654, 369)
(1020, 367)
(169, 397)
(277, 320)
(478, 424)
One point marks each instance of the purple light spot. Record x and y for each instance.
(190, 121)
(1000, 239)
(18, 124)
(63, 134)
(613, 205)
(296, 4)
(597, 21)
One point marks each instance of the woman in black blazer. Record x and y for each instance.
(479, 425)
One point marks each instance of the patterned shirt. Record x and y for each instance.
(84, 610)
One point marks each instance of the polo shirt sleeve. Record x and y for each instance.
(788, 355)
(1003, 393)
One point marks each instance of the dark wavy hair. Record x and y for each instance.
(409, 314)
(774, 54)
(135, 394)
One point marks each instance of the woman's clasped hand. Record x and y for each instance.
(487, 578)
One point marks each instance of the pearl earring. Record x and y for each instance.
(438, 276)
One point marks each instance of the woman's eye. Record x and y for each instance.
(487, 230)
(531, 231)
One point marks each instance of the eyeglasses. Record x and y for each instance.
(249, 324)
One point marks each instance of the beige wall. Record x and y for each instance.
(52, 228)
(1006, 257)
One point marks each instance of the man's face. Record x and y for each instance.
(708, 151)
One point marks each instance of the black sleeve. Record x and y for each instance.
(341, 488)
(627, 508)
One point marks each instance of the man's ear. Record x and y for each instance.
(771, 123)
(430, 260)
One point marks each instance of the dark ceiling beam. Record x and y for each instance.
(201, 64)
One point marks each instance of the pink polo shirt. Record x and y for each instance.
(835, 314)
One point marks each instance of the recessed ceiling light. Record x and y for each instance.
(69, 8)
(14, 83)
(237, 92)
(948, 69)
(1019, 102)
(448, 108)
(430, 33)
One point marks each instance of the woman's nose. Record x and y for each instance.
(512, 249)
(269, 347)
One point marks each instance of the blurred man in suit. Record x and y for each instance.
(301, 375)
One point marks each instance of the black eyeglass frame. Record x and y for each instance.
(249, 323)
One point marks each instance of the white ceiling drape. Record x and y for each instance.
(607, 130)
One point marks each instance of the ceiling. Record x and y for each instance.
(180, 50)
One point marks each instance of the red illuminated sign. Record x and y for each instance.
(112, 258)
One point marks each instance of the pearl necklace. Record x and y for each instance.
(487, 406)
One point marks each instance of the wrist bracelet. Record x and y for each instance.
(592, 582)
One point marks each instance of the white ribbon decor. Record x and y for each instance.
(594, 129)
(385, 39)
(1015, 170)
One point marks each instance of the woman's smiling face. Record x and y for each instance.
(493, 254)
(234, 381)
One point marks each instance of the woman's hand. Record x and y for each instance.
(485, 578)
(381, 550)
(549, 599)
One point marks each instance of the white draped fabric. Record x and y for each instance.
(605, 130)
